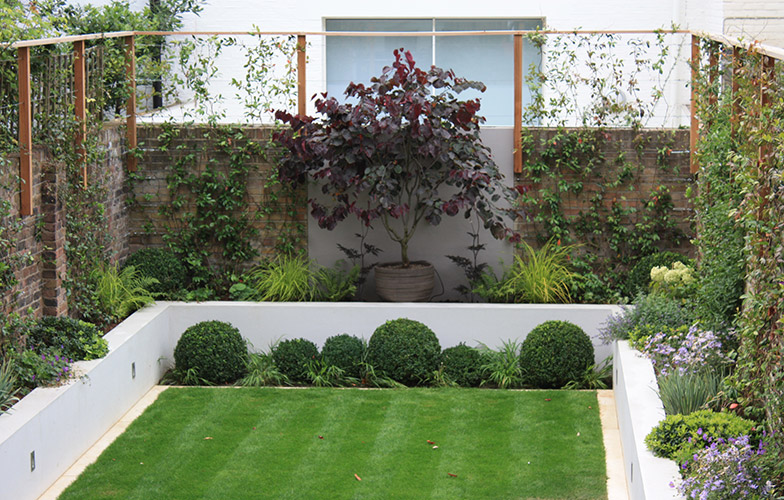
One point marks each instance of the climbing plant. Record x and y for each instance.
(740, 198)
(214, 223)
(599, 186)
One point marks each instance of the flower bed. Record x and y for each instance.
(50, 428)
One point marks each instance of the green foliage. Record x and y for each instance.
(120, 292)
(74, 338)
(334, 284)
(42, 368)
(404, 350)
(502, 368)
(641, 334)
(292, 357)
(345, 352)
(651, 314)
(322, 374)
(261, 371)
(540, 276)
(214, 350)
(554, 354)
(688, 392)
(462, 365)
(285, 279)
(681, 435)
(595, 377)
(163, 265)
(8, 385)
(640, 276)
(613, 232)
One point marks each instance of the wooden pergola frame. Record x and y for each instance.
(78, 41)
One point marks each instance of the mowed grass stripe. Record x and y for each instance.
(485, 437)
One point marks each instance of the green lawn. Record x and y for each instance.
(251, 443)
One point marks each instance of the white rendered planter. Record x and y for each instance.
(59, 424)
(639, 411)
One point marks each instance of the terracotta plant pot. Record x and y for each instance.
(395, 283)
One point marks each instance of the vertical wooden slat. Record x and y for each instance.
(518, 103)
(80, 98)
(302, 98)
(130, 120)
(735, 113)
(694, 130)
(25, 132)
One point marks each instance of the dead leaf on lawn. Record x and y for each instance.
(358, 478)
(208, 437)
(451, 475)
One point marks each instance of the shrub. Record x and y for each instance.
(654, 310)
(261, 371)
(405, 350)
(121, 292)
(554, 354)
(502, 368)
(680, 436)
(344, 351)
(727, 471)
(640, 275)
(298, 279)
(688, 392)
(542, 276)
(463, 365)
(8, 385)
(71, 337)
(685, 350)
(44, 368)
(213, 351)
(292, 357)
(163, 265)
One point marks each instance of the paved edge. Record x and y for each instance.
(91, 455)
(616, 473)
(616, 479)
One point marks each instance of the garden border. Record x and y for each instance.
(59, 424)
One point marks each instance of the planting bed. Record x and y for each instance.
(50, 428)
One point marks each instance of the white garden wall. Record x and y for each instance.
(59, 424)
(639, 411)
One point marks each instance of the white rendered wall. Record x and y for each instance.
(639, 410)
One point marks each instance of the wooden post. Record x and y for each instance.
(695, 124)
(518, 104)
(130, 121)
(25, 132)
(80, 91)
(302, 98)
(735, 113)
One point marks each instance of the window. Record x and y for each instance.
(488, 59)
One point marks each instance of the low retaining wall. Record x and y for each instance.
(57, 425)
(640, 410)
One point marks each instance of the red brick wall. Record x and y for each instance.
(147, 226)
(42, 236)
(640, 149)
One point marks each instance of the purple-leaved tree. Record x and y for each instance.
(398, 141)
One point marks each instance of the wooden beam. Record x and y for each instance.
(518, 104)
(80, 105)
(694, 130)
(302, 96)
(25, 132)
(130, 120)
